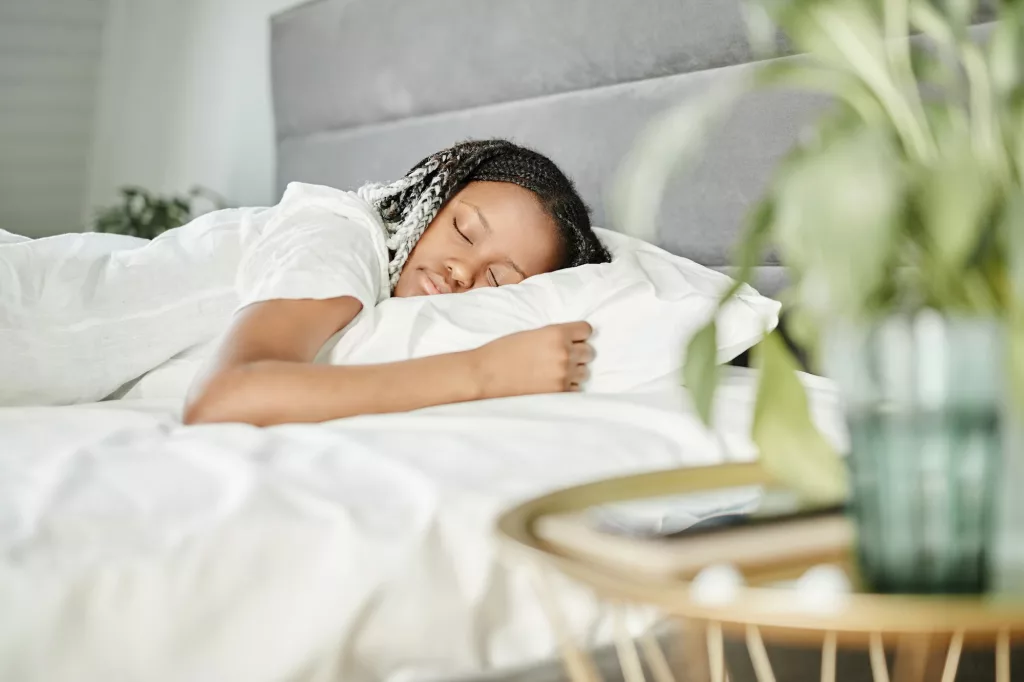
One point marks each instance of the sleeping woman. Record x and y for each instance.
(479, 214)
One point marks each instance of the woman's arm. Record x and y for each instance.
(262, 373)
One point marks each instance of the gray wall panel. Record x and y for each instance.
(344, 63)
(587, 133)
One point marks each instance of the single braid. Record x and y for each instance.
(408, 205)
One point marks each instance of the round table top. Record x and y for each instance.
(760, 601)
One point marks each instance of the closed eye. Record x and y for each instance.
(494, 280)
(455, 224)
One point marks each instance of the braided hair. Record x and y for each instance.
(409, 204)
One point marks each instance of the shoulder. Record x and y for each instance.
(360, 216)
(320, 242)
(300, 195)
(361, 226)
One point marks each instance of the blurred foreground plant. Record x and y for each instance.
(907, 196)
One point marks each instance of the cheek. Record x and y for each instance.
(544, 250)
(546, 256)
(427, 245)
(555, 255)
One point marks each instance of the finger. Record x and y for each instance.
(579, 374)
(582, 353)
(578, 331)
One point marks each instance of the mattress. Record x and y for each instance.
(361, 549)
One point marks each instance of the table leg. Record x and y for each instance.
(690, 659)
(1003, 656)
(578, 664)
(876, 651)
(759, 655)
(956, 645)
(828, 658)
(716, 652)
(912, 657)
(661, 671)
(625, 645)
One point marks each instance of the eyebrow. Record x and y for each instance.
(479, 214)
(487, 227)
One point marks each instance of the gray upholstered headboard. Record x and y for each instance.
(363, 89)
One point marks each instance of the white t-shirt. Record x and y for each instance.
(82, 314)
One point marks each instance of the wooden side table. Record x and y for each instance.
(928, 632)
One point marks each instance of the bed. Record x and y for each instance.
(363, 549)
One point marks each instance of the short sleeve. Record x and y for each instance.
(320, 243)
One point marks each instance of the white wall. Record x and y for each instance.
(49, 59)
(184, 99)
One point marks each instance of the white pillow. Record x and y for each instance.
(644, 307)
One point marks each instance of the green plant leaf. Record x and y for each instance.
(672, 140)
(801, 74)
(837, 211)
(791, 447)
(960, 14)
(1017, 149)
(848, 35)
(1006, 49)
(928, 19)
(939, 76)
(700, 369)
(948, 28)
(805, 331)
(762, 33)
(954, 198)
(143, 214)
(751, 247)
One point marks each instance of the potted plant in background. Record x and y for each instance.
(901, 219)
(146, 215)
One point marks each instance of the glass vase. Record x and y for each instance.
(923, 396)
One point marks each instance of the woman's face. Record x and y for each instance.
(488, 234)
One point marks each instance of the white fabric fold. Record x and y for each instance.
(360, 550)
(83, 314)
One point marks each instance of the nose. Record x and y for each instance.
(466, 273)
(460, 275)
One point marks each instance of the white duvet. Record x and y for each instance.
(132, 548)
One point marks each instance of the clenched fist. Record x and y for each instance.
(551, 359)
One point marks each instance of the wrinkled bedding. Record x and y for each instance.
(132, 547)
(81, 315)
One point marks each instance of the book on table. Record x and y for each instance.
(758, 530)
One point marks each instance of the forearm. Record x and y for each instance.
(271, 392)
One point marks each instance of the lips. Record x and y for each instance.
(433, 284)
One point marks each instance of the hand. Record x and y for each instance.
(551, 359)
